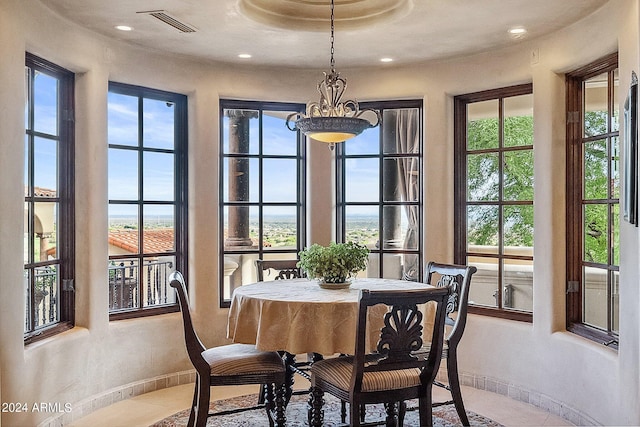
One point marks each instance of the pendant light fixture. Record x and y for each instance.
(332, 120)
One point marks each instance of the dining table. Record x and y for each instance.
(297, 316)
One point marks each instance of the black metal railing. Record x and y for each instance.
(45, 297)
(124, 276)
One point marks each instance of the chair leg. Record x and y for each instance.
(392, 414)
(425, 410)
(343, 411)
(194, 405)
(316, 417)
(204, 394)
(280, 405)
(402, 410)
(354, 414)
(454, 384)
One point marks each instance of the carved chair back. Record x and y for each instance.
(458, 278)
(401, 334)
(286, 269)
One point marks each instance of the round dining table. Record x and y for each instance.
(298, 316)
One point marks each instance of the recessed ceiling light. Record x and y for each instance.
(517, 31)
(124, 28)
(386, 59)
(244, 56)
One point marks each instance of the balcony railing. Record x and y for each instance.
(45, 297)
(123, 284)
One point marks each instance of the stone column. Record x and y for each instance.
(238, 179)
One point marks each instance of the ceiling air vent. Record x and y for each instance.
(170, 20)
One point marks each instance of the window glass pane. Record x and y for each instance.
(518, 175)
(45, 166)
(280, 227)
(485, 282)
(122, 119)
(27, 170)
(279, 181)
(615, 301)
(518, 120)
(158, 230)
(595, 233)
(27, 232)
(241, 131)
(155, 279)
(482, 229)
(518, 230)
(362, 180)
(615, 167)
(411, 266)
(395, 227)
(123, 174)
(596, 112)
(242, 179)
(596, 165)
(400, 181)
(46, 295)
(615, 119)
(45, 108)
(241, 227)
(482, 125)
(158, 124)
(123, 229)
(361, 225)
(401, 131)
(45, 231)
(483, 177)
(615, 233)
(595, 297)
(158, 176)
(392, 266)
(123, 284)
(517, 289)
(368, 142)
(277, 139)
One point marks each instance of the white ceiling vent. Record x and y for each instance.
(170, 20)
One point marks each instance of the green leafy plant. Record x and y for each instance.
(335, 263)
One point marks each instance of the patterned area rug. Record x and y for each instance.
(443, 416)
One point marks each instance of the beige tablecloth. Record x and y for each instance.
(299, 317)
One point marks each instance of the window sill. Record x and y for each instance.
(608, 340)
(145, 312)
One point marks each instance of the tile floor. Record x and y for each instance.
(145, 409)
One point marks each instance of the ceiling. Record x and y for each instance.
(295, 33)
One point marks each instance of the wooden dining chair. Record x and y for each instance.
(233, 364)
(458, 278)
(285, 269)
(393, 373)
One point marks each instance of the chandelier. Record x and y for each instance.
(332, 120)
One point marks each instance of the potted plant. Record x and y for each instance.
(335, 265)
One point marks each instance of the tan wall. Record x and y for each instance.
(98, 355)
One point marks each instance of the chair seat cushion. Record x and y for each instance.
(242, 359)
(338, 371)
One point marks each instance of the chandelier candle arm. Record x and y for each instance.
(332, 120)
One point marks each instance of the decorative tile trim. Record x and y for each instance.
(516, 392)
(93, 403)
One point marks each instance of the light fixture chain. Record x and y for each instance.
(333, 62)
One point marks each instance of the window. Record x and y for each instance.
(593, 191)
(147, 135)
(494, 198)
(48, 199)
(380, 191)
(262, 190)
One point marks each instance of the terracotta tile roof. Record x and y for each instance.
(155, 240)
(43, 192)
